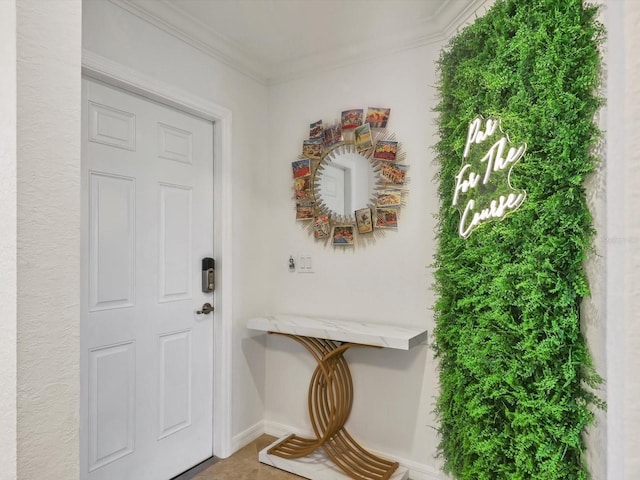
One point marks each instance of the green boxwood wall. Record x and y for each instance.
(516, 377)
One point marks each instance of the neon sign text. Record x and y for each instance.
(483, 180)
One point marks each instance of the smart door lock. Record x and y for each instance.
(208, 274)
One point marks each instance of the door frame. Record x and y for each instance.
(115, 74)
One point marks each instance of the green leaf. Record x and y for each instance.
(517, 384)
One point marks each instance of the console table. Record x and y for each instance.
(333, 454)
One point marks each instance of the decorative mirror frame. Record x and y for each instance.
(371, 140)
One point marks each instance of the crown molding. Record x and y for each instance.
(436, 29)
(473, 10)
(192, 31)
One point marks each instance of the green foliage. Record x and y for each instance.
(516, 376)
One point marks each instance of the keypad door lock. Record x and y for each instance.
(208, 274)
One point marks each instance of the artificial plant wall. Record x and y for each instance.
(515, 371)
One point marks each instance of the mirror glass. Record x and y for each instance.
(346, 183)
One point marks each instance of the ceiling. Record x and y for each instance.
(275, 40)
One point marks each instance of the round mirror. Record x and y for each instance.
(345, 182)
(350, 180)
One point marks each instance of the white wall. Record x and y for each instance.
(593, 309)
(387, 281)
(48, 237)
(8, 206)
(623, 239)
(117, 35)
(594, 315)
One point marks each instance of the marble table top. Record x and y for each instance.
(375, 334)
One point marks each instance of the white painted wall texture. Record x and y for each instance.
(593, 309)
(8, 211)
(387, 281)
(117, 35)
(623, 239)
(48, 237)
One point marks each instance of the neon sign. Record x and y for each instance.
(482, 184)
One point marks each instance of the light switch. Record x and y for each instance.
(305, 264)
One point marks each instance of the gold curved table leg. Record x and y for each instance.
(330, 400)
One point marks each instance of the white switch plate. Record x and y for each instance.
(305, 263)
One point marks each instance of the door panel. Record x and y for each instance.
(111, 241)
(146, 358)
(175, 378)
(111, 126)
(174, 144)
(174, 241)
(111, 403)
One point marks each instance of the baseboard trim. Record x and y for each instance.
(247, 436)
(417, 471)
(280, 429)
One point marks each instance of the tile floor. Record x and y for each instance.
(244, 465)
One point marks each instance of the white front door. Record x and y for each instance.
(146, 357)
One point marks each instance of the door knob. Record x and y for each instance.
(206, 309)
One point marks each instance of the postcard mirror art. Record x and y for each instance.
(350, 180)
